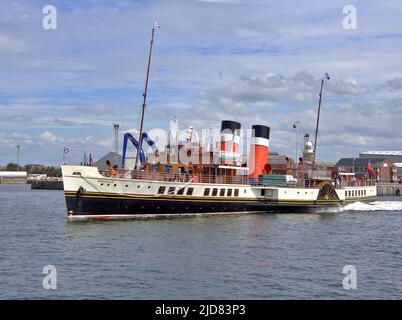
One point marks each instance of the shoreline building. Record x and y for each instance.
(384, 168)
(393, 156)
(13, 177)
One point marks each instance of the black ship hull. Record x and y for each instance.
(98, 206)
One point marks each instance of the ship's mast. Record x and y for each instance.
(318, 117)
(144, 99)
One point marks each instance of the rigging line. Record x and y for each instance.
(161, 81)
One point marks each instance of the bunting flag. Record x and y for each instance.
(327, 76)
(66, 149)
(370, 169)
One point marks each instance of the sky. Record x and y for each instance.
(254, 61)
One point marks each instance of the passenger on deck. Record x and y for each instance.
(111, 169)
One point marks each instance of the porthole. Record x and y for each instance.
(126, 185)
(115, 185)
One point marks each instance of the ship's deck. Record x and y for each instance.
(222, 179)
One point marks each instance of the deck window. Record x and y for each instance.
(263, 192)
(214, 192)
(190, 191)
(171, 190)
(222, 192)
(206, 192)
(180, 191)
(161, 190)
(236, 192)
(229, 194)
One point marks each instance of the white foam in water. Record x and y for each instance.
(374, 206)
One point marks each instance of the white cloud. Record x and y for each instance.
(213, 59)
(274, 87)
(48, 137)
(10, 44)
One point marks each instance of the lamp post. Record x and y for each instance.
(296, 126)
(18, 156)
(116, 137)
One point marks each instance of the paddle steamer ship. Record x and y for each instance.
(212, 182)
(217, 187)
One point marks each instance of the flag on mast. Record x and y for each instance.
(156, 25)
(327, 76)
(65, 151)
(370, 168)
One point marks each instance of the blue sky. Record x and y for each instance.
(256, 62)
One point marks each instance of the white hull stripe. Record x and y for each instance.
(73, 218)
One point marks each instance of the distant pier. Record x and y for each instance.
(13, 177)
(47, 184)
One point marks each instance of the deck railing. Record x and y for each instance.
(223, 179)
(175, 177)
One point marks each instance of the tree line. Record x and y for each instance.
(34, 169)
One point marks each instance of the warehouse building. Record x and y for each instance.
(13, 177)
(393, 156)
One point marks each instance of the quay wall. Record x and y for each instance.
(389, 189)
(47, 184)
(13, 180)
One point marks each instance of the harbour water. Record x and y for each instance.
(264, 256)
